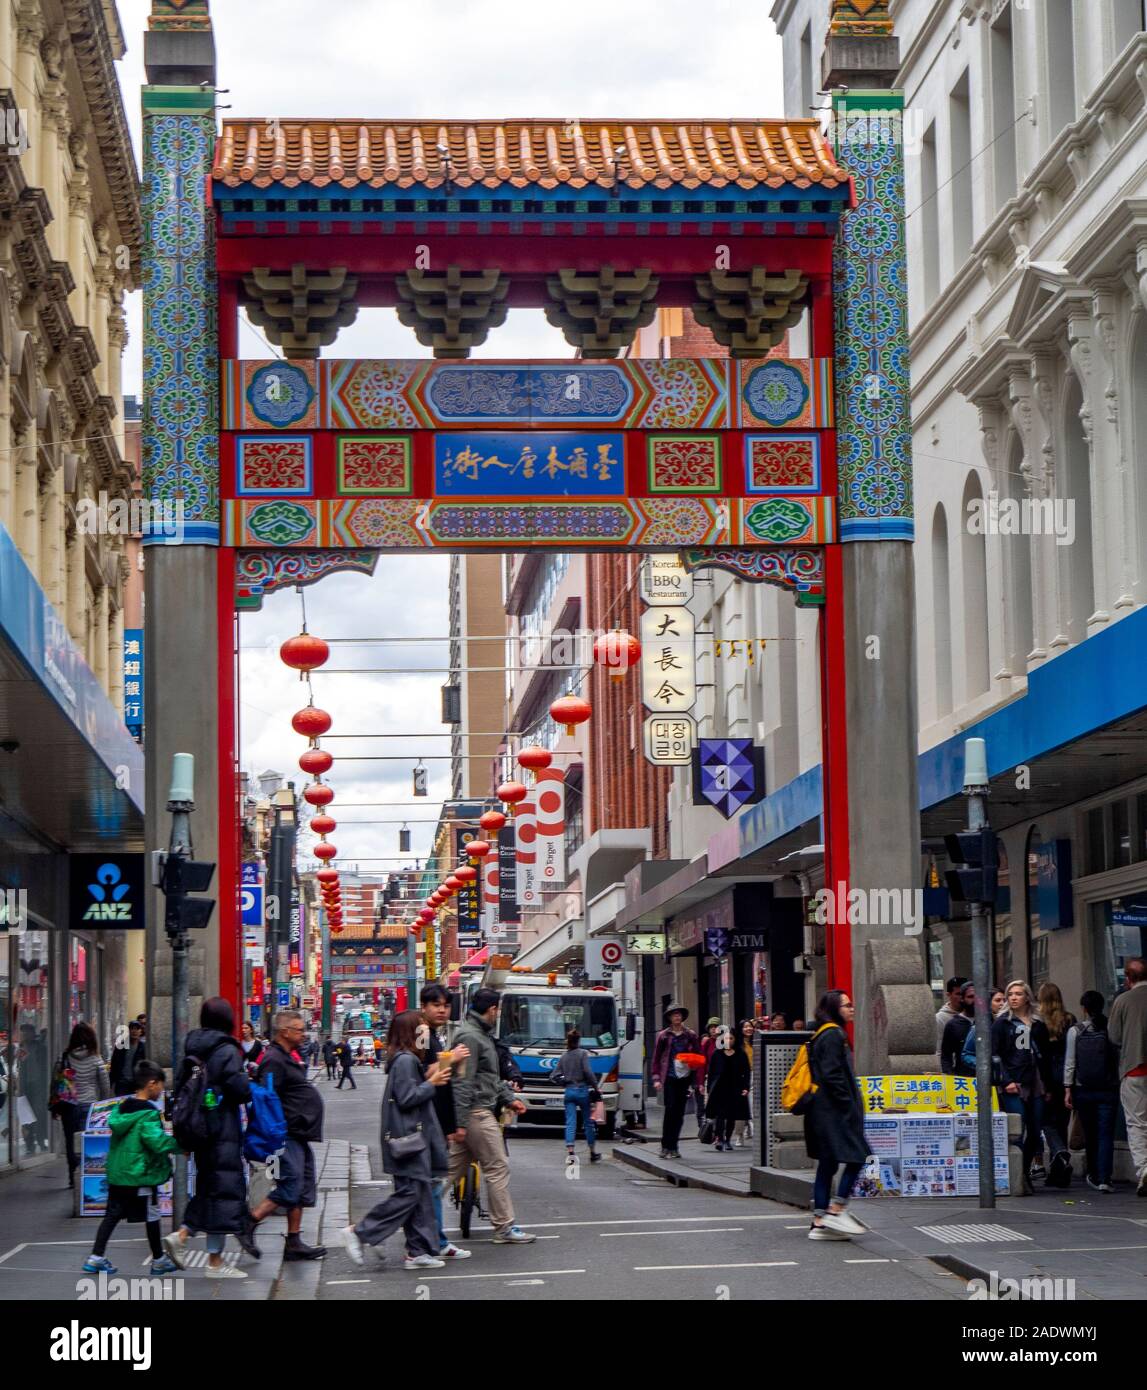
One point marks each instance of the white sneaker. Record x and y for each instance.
(852, 1224)
(177, 1249)
(454, 1252)
(823, 1233)
(843, 1225)
(738, 1143)
(353, 1245)
(423, 1262)
(225, 1272)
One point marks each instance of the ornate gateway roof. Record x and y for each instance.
(524, 153)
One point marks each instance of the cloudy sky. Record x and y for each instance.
(449, 59)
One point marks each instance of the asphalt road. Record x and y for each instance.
(611, 1232)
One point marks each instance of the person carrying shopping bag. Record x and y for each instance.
(574, 1072)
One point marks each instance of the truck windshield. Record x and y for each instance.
(536, 1020)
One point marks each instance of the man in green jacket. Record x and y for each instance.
(138, 1165)
(479, 1094)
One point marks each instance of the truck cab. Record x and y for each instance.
(537, 1012)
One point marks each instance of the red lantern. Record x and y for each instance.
(617, 651)
(318, 794)
(478, 849)
(570, 710)
(466, 874)
(491, 821)
(426, 915)
(315, 761)
(453, 883)
(327, 875)
(304, 652)
(511, 793)
(311, 722)
(325, 850)
(534, 759)
(335, 928)
(323, 824)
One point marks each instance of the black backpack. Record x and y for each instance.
(195, 1105)
(1095, 1068)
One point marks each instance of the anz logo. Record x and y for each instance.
(109, 894)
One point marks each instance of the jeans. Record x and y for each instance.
(74, 1118)
(577, 1098)
(675, 1096)
(436, 1190)
(1096, 1111)
(346, 1076)
(822, 1187)
(1032, 1112)
(216, 1240)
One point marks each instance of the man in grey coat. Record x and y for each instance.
(479, 1096)
(1127, 1030)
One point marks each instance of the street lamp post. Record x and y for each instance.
(280, 879)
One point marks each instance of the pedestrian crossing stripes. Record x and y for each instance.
(197, 1259)
(965, 1235)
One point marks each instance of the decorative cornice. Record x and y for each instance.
(179, 14)
(92, 47)
(860, 19)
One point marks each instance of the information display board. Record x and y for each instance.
(929, 1155)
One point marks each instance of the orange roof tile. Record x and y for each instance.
(663, 154)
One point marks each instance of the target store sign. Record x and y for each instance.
(604, 954)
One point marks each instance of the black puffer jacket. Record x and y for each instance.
(220, 1183)
(834, 1126)
(302, 1104)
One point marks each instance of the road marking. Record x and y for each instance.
(704, 1231)
(867, 1262)
(963, 1233)
(501, 1276)
(14, 1251)
(801, 1227)
(32, 1244)
(638, 1220)
(491, 1241)
(762, 1264)
(348, 1281)
(520, 1283)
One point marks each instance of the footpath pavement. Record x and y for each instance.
(43, 1245)
(1057, 1244)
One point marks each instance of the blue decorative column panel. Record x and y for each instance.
(873, 417)
(180, 343)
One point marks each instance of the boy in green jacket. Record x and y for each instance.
(138, 1164)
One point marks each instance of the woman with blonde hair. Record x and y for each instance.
(1057, 1023)
(1015, 1060)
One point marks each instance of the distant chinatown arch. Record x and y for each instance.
(290, 469)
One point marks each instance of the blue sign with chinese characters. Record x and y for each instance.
(558, 464)
(133, 681)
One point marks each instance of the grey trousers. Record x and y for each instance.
(411, 1206)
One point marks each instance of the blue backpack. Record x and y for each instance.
(266, 1124)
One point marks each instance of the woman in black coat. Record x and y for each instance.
(220, 1200)
(834, 1124)
(728, 1080)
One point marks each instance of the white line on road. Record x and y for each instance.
(638, 1220)
(704, 1231)
(348, 1281)
(428, 1277)
(520, 1283)
(867, 1262)
(763, 1264)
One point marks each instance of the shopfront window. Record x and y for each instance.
(1003, 959)
(1118, 931)
(32, 1046)
(80, 1000)
(1039, 970)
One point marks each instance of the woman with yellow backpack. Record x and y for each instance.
(822, 1087)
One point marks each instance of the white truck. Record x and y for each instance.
(538, 1010)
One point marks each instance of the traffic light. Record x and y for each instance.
(178, 877)
(978, 851)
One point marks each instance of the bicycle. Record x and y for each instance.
(466, 1193)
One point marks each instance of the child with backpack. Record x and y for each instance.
(138, 1165)
(1091, 1082)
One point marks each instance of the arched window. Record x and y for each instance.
(941, 613)
(974, 563)
(1076, 492)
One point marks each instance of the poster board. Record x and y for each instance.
(95, 1145)
(929, 1155)
(954, 1095)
